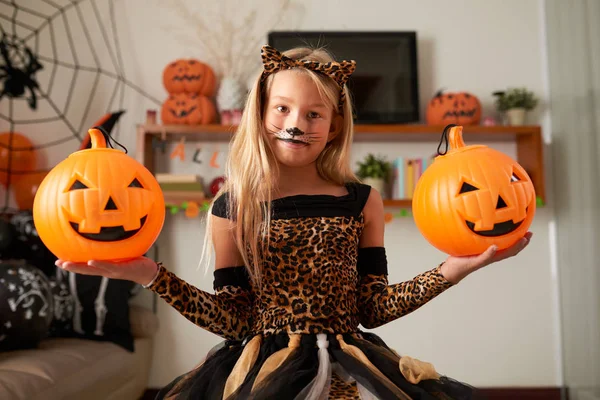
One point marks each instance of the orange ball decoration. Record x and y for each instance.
(188, 109)
(189, 76)
(99, 204)
(17, 154)
(473, 197)
(460, 108)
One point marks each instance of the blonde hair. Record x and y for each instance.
(252, 169)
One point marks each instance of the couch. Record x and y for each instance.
(81, 369)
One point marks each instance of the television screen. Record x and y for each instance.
(384, 87)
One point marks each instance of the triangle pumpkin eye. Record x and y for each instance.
(77, 185)
(514, 178)
(466, 187)
(135, 183)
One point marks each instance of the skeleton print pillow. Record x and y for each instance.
(63, 304)
(100, 308)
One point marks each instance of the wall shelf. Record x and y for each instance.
(528, 140)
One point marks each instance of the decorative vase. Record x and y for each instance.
(516, 116)
(230, 100)
(376, 183)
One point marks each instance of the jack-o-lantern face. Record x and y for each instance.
(454, 108)
(189, 76)
(188, 109)
(94, 214)
(98, 204)
(473, 197)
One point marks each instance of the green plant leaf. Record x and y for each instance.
(515, 98)
(374, 167)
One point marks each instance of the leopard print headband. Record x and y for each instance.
(340, 72)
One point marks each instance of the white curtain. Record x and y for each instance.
(573, 39)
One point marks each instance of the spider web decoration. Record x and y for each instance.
(61, 68)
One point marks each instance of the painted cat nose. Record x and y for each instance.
(295, 131)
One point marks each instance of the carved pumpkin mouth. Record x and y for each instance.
(186, 77)
(109, 233)
(460, 113)
(183, 113)
(499, 229)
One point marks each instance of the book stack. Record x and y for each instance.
(406, 171)
(180, 183)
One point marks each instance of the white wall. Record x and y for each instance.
(497, 328)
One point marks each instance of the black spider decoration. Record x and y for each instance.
(18, 78)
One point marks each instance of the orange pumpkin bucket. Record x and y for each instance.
(472, 197)
(98, 204)
(461, 108)
(188, 109)
(189, 76)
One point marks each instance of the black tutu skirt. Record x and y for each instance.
(313, 367)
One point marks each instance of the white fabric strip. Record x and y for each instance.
(318, 388)
(341, 373)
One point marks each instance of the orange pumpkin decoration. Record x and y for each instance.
(188, 108)
(98, 204)
(17, 154)
(189, 76)
(473, 197)
(454, 108)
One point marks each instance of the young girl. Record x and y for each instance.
(300, 260)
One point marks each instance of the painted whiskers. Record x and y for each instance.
(294, 135)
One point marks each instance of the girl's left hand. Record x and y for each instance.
(140, 270)
(455, 269)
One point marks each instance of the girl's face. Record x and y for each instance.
(297, 120)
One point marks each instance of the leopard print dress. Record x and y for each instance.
(298, 336)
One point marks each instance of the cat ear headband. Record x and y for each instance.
(340, 72)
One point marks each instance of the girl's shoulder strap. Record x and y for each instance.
(362, 193)
(220, 207)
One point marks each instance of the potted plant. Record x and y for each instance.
(514, 103)
(374, 171)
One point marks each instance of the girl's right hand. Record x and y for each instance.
(140, 270)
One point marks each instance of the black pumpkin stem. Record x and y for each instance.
(109, 139)
(440, 92)
(444, 139)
